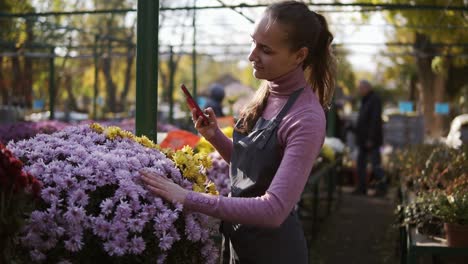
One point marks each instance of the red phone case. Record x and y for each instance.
(193, 105)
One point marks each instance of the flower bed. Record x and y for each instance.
(94, 207)
(25, 130)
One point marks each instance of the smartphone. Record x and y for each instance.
(193, 105)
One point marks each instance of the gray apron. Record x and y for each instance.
(254, 162)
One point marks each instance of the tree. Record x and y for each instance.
(436, 55)
(16, 35)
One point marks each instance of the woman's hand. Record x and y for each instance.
(163, 187)
(207, 131)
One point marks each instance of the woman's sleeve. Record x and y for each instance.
(303, 141)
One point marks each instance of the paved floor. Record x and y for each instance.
(358, 231)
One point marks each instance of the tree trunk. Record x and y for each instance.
(3, 86)
(71, 100)
(18, 91)
(28, 68)
(110, 85)
(440, 121)
(128, 76)
(424, 54)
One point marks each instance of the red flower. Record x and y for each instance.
(12, 176)
(15, 162)
(22, 180)
(36, 187)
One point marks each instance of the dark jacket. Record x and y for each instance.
(215, 100)
(216, 106)
(369, 123)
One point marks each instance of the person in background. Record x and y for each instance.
(369, 139)
(276, 141)
(215, 101)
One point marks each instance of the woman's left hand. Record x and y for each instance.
(164, 187)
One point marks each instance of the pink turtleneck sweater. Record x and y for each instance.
(301, 135)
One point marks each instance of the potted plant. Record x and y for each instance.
(451, 206)
(420, 213)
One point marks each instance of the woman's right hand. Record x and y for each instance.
(207, 131)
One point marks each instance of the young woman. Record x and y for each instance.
(276, 140)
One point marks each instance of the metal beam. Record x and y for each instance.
(96, 75)
(369, 8)
(52, 84)
(194, 53)
(171, 85)
(237, 11)
(147, 71)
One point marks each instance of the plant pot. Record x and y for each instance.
(457, 235)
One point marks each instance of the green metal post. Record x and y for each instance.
(52, 83)
(331, 120)
(96, 76)
(147, 72)
(194, 52)
(171, 85)
(315, 205)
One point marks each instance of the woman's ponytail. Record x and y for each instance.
(321, 68)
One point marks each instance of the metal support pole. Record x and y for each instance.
(194, 53)
(171, 85)
(52, 83)
(96, 76)
(315, 205)
(147, 71)
(331, 120)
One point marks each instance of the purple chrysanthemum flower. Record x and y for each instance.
(137, 245)
(166, 242)
(50, 194)
(123, 210)
(107, 206)
(75, 215)
(115, 247)
(74, 243)
(161, 259)
(92, 190)
(36, 255)
(78, 197)
(101, 227)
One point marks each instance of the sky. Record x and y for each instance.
(225, 26)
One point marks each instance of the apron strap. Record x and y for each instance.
(274, 123)
(291, 100)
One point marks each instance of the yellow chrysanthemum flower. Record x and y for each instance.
(197, 188)
(143, 140)
(204, 146)
(228, 131)
(200, 179)
(328, 153)
(127, 134)
(211, 188)
(187, 150)
(112, 132)
(96, 127)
